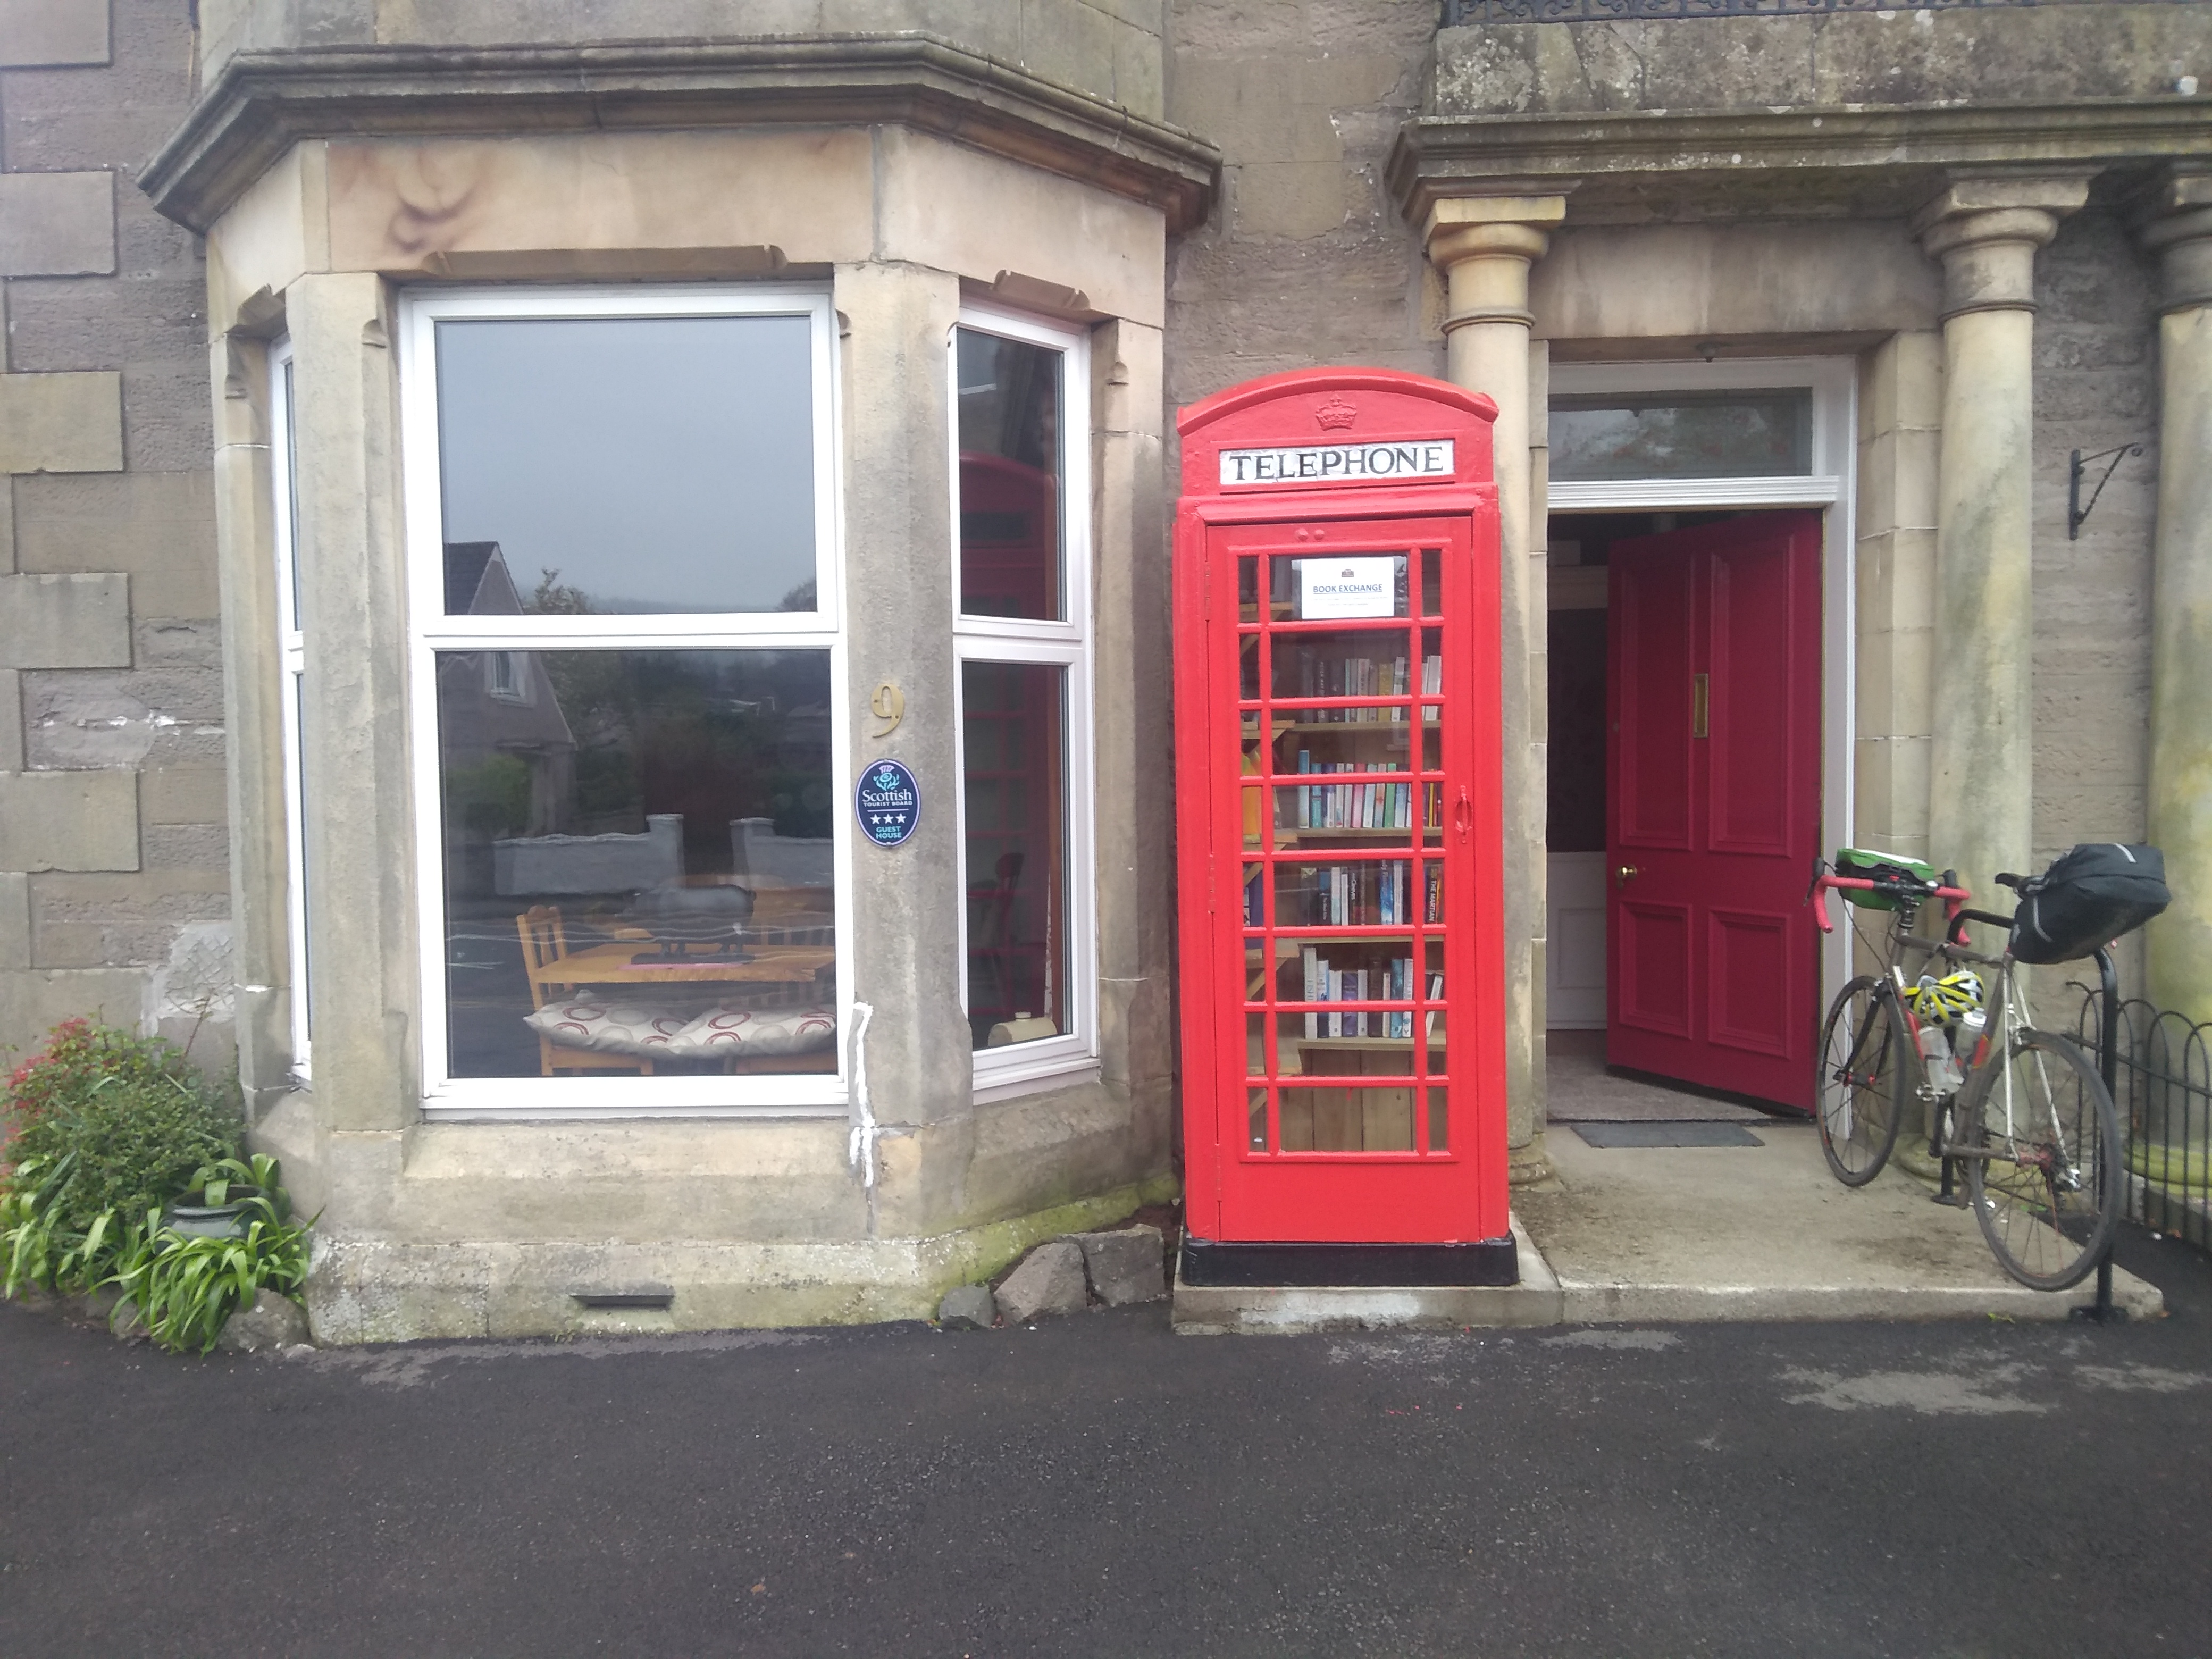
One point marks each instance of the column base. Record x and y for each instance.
(1529, 1165)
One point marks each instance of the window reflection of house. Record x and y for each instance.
(510, 758)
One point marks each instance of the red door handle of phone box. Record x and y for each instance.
(1463, 813)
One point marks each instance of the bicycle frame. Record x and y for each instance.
(2028, 1154)
(1951, 949)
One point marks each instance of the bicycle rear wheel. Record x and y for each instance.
(1859, 1093)
(2045, 1175)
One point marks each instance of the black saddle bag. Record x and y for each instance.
(2087, 898)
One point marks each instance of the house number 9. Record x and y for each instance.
(888, 704)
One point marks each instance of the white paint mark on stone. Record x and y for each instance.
(195, 982)
(410, 1367)
(2140, 1379)
(1641, 1341)
(1932, 1393)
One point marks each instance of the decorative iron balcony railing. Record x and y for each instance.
(1618, 11)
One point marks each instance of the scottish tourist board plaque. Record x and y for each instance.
(888, 802)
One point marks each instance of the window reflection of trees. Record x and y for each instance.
(1676, 435)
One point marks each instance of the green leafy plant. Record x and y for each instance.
(256, 1176)
(115, 1121)
(41, 1252)
(107, 1125)
(185, 1286)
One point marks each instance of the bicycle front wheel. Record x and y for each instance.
(1860, 1090)
(2044, 1166)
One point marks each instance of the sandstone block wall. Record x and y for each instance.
(114, 882)
(2096, 388)
(1306, 261)
(1109, 49)
(1969, 54)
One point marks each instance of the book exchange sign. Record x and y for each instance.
(1425, 460)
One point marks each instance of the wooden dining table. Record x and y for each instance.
(625, 964)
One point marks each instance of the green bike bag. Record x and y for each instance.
(1863, 866)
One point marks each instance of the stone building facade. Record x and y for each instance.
(117, 884)
(1964, 241)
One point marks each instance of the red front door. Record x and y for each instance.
(1713, 804)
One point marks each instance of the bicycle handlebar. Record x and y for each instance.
(1952, 896)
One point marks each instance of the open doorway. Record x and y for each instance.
(1684, 804)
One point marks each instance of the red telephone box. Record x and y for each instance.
(1338, 815)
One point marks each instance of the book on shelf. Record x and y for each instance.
(1372, 893)
(1369, 805)
(1321, 981)
(1362, 676)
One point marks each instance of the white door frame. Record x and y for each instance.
(1831, 487)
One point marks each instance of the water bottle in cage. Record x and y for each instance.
(1935, 1051)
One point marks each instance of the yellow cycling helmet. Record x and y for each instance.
(1949, 998)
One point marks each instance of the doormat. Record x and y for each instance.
(1666, 1134)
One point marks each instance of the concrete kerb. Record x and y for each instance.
(1543, 1298)
(1297, 1310)
(1589, 1303)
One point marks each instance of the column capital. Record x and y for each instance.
(1985, 228)
(1485, 245)
(2172, 218)
(1472, 226)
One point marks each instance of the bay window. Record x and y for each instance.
(292, 664)
(1022, 633)
(629, 666)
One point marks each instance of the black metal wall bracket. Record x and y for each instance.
(2077, 510)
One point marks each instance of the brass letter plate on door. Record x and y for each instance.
(1699, 698)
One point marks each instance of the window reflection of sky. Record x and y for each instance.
(658, 463)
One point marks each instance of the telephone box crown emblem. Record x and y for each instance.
(1338, 413)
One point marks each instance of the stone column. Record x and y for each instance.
(2180, 941)
(360, 827)
(1484, 246)
(1981, 799)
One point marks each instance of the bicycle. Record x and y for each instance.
(2036, 1134)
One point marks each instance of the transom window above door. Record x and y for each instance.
(1755, 433)
(1750, 432)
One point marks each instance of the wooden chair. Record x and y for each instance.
(545, 941)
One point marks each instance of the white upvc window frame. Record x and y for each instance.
(430, 631)
(1830, 486)
(1831, 380)
(292, 667)
(1055, 1061)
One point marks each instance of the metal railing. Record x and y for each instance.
(1619, 11)
(2160, 1067)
